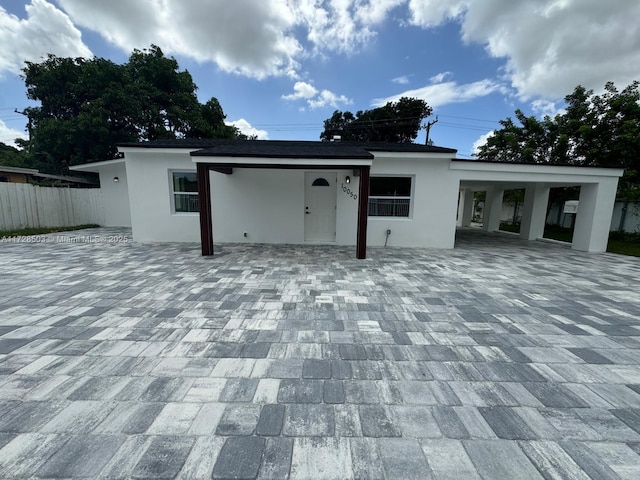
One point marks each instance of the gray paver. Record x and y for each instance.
(276, 459)
(164, 458)
(302, 420)
(238, 419)
(239, 458)
(367, 464)
(498, 359)
(83, 456)
(378, 421)
(271, 419)
(403, 458)
(324, 458)
(500, 460)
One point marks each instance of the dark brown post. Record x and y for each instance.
(204, 197)
(363, 214)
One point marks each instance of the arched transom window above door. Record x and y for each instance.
(320, 182)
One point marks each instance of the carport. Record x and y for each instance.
(597, 197)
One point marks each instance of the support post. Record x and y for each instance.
(467, 208)
(204, 198)
(534, 214)
(492, 209)
(593, 222)
(363, 213)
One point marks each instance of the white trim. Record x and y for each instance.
(411, 196)
(90, 167)
(173, 193)
(576, 171)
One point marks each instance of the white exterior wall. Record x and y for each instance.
(268, 204)
(432, 221)
(115, 195)
(150, 199)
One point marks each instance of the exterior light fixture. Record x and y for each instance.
(116, 179)
(347, 179)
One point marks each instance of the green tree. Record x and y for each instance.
(87, 107)
(12, 157)
(594, 130)
(396, 122)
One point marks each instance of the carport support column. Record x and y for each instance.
(363, 214)
(204, 198)
(464, 219)
(492, 209)
(534, 214)
(593, 222)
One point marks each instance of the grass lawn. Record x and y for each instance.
(41, 231)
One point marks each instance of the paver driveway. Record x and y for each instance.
(500, 359)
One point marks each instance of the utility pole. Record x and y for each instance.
(427, 127)
(29, 126)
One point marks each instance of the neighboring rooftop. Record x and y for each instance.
(288, 148)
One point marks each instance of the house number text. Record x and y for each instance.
(349, 192)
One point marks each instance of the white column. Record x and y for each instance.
(534, 214)
(591, 232)
(461, 195)
(464, 220)
(492, 209)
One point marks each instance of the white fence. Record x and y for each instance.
(23, 205)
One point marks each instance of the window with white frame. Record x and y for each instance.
(390, 196)
(184, 192)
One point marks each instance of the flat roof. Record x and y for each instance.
(496, 162)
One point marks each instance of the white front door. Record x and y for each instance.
(320, 206)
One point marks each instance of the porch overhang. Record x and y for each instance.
(207, 162)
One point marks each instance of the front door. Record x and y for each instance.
(320, 206)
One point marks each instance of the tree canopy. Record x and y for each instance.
(396, 122)
(89, 106)
(594, 130)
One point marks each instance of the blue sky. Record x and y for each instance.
(280, 67)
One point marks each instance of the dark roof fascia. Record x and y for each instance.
(470, 160)
(327, 156)
(65, 178)
(234, 147)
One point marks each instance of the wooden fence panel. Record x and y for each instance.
(23, 205)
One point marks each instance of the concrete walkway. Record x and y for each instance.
(500, 359)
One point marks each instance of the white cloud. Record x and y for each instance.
(256, 38)
(328, 99)
(315, 98)
(246, 128)
(441, 77)
(439, 94)
(45, 30)
(301, 90)
(550, 46)
(545, 108)
(8, 135)
(401, 80)
(481, 141)
(249, 37)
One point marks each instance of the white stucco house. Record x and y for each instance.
(343, 193)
